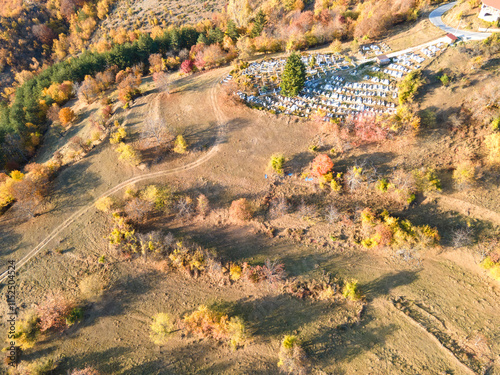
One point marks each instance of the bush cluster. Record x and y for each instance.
(211, 322)
(385, 230)
(492, 264)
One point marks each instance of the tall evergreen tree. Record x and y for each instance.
(294, 76)
(258, 24)
(202, 39)
(232, 30)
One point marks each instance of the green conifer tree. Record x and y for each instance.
(294, 76)
(258, 25)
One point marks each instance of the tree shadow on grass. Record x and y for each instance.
(347, 342)
(276, 315)
(9, 239)
(376, 160)
(76, 178)
(116, 300)
(298, 162)
(108, 361)
(447, 222)
(383, 285)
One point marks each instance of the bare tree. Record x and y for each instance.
(462, 237)
(28, 195)
(138, 209)
(354, 178)
(306, 211)
(162, 82)
(184, 207)
(332, 214)
(279, 207)
(155, 132)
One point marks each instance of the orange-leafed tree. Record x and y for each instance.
(321, 165)
(66, 116)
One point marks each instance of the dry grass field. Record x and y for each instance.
(436, 313)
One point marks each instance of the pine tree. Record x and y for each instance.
(202, 39)
(258, 25)
(232, 31)
(293, 77)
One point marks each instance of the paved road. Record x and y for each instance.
(435, 18)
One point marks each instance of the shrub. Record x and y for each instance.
(325, 289)
(492, 142)
(462, 237)
(351, 291)
(240, 210)
(74, 316)
(92, 286)
(292, 357)
(138, 209)
(214, 322)
(180, 145)
(202, 205)
(277, 162)
(237, 331)
(336, 182)
(44, 366)
(369, 128)
(86, 370)
(235, 272)
(161, 328)
(492, 264)
(208, 322)
(427, 179)
(160, 196)
(53, 312)
(272, 273)
(382, 184)
(388, 231)
(445, 80)
(118, 135)
(495, 124)
(187, 66)
(104, 204)
(409, 86)
(122, 236)
(27, 330)
(354, 178)
(464, 175)
(128, 88)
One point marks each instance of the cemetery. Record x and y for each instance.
(335, 86)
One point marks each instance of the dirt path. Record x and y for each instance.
(221, 118)
(466, 208)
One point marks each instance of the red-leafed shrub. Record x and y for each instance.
(321, 165)
(53, 312)
(187, 66)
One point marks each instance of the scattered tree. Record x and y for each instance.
(294, 76)
(66, 116)
(180, 145)
(240, 210)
